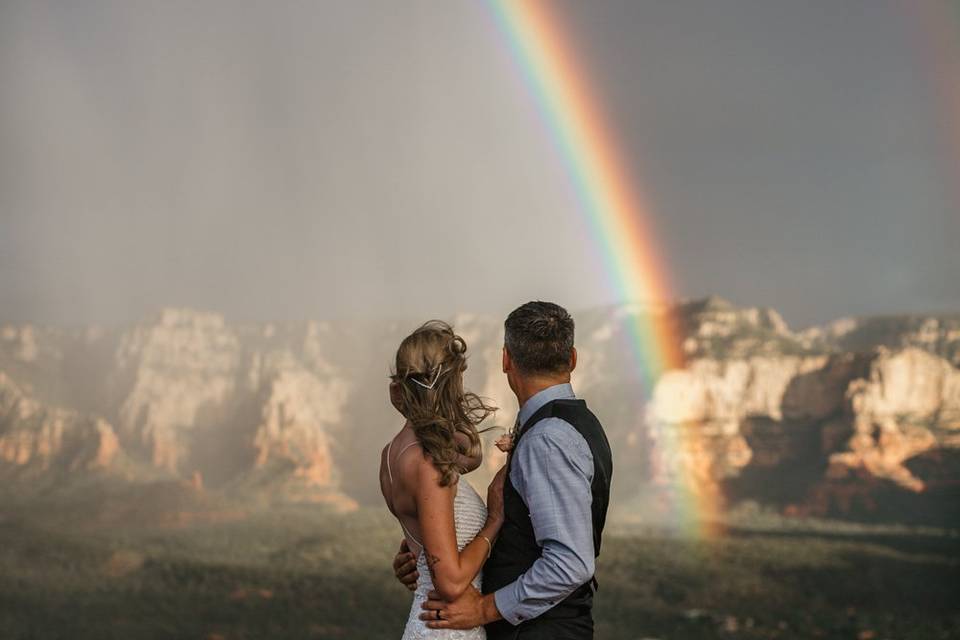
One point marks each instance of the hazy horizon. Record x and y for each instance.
(414, 318)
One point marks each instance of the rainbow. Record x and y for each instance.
(618, 214)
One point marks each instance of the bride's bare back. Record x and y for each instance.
(399, 462)
(398, 475)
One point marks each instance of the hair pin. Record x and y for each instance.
(431, 385)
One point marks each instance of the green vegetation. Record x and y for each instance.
(302, 572)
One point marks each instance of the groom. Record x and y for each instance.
(538, 581)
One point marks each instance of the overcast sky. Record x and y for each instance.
(286, 160)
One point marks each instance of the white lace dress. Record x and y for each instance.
(469, 515)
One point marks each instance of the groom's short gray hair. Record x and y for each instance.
(539, 337)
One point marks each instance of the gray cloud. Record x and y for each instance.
(284, 160)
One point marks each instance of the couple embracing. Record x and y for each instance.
(521, 566)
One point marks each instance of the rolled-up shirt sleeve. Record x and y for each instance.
(552, 471)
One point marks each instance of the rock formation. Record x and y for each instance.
(817, 419)
(181, 395)
(35, 438)
(174, 377)
(854, 402)
(908, 403)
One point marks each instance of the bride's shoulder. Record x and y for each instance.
(406, 456)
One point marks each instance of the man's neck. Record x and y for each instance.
(529, 387)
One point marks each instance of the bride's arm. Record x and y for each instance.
(452, 571)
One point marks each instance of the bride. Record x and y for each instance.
(444, 521)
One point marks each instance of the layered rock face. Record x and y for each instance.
(816, 421)
(181, 395)
(173, 379)
(35, 438)
(907, 404)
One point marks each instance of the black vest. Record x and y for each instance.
(516, 548)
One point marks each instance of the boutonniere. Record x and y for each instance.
(505, 442)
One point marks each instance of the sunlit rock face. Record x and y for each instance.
(35, 438)
(179, 395)
(806, 419)
(174, 378)
(730, 413)
(908, 403)
(815, 420)
(295, 410)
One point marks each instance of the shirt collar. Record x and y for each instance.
(558, 391)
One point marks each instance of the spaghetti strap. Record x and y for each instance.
(390, 475)
(409, 444)
(389, 449)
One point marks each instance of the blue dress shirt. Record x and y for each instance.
(552, 470)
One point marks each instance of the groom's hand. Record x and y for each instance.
(468, 611)
(405, 566)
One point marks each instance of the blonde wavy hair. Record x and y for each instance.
(428, 374)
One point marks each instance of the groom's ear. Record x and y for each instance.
(573, 358)
(507, 364)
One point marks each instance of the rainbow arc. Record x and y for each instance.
(619, 216)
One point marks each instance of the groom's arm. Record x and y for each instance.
(552, 471)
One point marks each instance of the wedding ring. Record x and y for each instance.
(438, 615)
